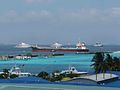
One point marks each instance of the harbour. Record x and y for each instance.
(45, 62)
(59, 44)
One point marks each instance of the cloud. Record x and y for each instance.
(82, 15)
(38, 1)
(12, 13)
(14, 17)
(116, 10)
(91, 15)
(29, 1)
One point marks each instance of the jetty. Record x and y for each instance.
(107, 78)
(91, 79)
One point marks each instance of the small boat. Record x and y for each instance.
(98, 44)
(16, 70)
(23, 45)
(22, 57)
(72, 70)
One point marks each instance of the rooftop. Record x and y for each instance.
(50, 87)
(100, 77)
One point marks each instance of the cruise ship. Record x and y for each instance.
(98, 44)
(23, 45)
(56, 47)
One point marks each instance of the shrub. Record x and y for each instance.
(43, 75)
(13, 76)
(4, 76)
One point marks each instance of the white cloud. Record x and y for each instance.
(116, 10)
(38, 1)
(64, 16)
(44, 13)
(13, 17)
(29, 1)
(12, 13)
(82, 15)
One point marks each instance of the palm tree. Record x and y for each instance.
(116, 63)
(104, 67)
(110, 63)
(98, 57)
(99, 64)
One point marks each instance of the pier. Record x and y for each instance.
(91, 79)
(100, 78)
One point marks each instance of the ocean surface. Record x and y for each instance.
(82, 62)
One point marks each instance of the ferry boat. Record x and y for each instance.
(98, 44)
(56, 47)
(23, 45)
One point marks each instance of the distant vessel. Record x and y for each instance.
(116, 52)
(23, 45)
(56, 47)
(98, 44)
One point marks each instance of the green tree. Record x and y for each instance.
(110, 63)
(43, 75)
(116, 62)
(99, 63)
(13, 76)
(28, 54)
(96, 60)
(6, 73)
(104, 67)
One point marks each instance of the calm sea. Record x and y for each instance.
(82, 62)
(11, 49)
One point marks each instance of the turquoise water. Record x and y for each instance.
(84, 59)
(80, 59)
(82, 62)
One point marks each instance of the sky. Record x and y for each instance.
(63, 21)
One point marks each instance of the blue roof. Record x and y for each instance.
(24, 80)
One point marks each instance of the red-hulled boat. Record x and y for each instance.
(80, 47)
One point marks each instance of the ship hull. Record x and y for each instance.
(59, 50)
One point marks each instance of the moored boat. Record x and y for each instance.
(17, 71)
(72, 70)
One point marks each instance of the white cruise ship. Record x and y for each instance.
(98, 44)
(23, 45)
